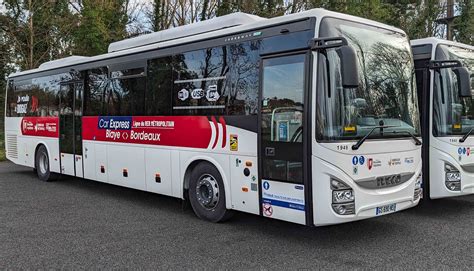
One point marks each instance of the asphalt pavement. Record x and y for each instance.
(81, 224)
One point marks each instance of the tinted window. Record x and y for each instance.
(37, 97)
(126, 96)
(11, 101)
(200, 77)
(242, 89)
(94, 92)
(216, 81)
(160, 87)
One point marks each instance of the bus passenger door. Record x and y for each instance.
(282, 163)
(70, 129)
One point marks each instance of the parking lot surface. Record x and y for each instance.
(81, 224)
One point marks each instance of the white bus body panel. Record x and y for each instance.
(400, 156)
(67, 164)
(441, 152)
(107, 161)
(21, 149)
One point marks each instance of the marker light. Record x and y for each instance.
(453, 178)
(418, 187)
(342, 198)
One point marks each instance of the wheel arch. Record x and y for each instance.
(38, 145)
(192, 163)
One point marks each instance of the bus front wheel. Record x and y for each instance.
(42, 165)
(206, 193)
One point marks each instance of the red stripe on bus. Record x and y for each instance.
(40, 126)
(178, 131)
(217, 131)
(224, 131)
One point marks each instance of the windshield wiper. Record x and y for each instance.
(417, 141)
(361, 141)
(466, 135)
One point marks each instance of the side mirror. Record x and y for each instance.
(349, 66)
(347, 54)
(464, 81)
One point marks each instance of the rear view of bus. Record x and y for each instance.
(444, 71)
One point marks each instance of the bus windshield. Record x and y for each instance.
(452, 115)
(386, 95)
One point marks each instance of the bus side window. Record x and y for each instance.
(11, 100)
(159, 87)
(126, 93)
(217, 81)
(94, 92)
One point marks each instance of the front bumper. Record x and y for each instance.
(366, 200)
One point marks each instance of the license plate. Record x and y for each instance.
(390, 208)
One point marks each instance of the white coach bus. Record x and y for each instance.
(443, 71)
(310, 118)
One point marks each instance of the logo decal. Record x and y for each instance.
(460, 151)
(266, 185)
(361, 160)
(370, 162)
(468, 151)
(355, 160)
(183, 94)
(267, 209)
(394, 162)
(234, 143)
(212, 95)
(299, 187)
(197, 93)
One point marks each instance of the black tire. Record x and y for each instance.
(42, 165)
(206, 193)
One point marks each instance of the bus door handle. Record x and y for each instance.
(269, 151)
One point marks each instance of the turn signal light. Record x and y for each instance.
(248, 163)
(245, 189)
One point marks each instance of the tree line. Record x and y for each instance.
(36, 31)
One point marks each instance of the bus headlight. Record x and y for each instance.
(342, 198)
(453, 178)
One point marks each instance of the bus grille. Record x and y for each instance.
(12, 146)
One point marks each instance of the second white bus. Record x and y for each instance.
(444, 69)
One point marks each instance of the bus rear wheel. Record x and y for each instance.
(206, 193)
(42, 165)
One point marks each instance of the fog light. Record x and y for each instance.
(342, 198)
(453, 178)
(344, 209)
